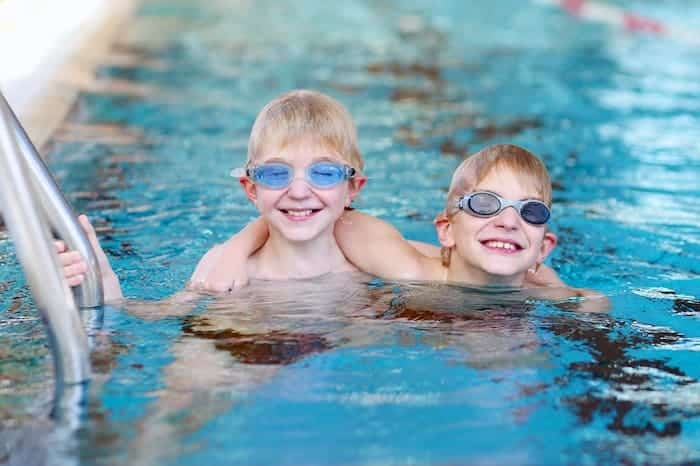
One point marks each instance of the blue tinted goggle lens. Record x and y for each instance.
(486, 204)
(319, 175)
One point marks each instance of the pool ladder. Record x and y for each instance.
(33, 206)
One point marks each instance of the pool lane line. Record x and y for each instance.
(600, 12)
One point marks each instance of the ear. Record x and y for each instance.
(356, 184)
(549, 242)
(249, 188)
(444, 229)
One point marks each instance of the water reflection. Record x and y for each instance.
(275, 336)
(429, 83)
(629, 386)
(234, 346)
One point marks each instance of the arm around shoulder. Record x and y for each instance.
(376, 247)
(225, 266)
(428, 250)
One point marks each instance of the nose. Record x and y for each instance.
(299, 188)
(508, 219)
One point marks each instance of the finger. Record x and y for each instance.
(87, 226)
(219, 286)
(536, 279)
(240, 283)
(75, 280)
(75, 270)
(84, 222)
(94, 242)
(216, 285)
(60, 246)
(70, 257)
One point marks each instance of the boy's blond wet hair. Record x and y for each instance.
(478, 166)
(304, 113)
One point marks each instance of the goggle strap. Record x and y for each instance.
(239, 172)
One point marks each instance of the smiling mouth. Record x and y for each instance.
(299, 214)
(508, 247)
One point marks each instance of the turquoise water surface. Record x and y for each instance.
(344, 370)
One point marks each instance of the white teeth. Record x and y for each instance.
(299, 213)
(500, 245)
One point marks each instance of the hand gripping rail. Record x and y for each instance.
(31, 204)
(57, 210)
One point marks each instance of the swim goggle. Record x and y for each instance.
(488, 204)
(321, 175)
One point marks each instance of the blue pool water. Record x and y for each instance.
(336, 373)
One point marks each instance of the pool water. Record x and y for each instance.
(348, 370)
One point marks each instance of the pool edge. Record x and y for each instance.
(42, 113)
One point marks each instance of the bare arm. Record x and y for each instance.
(568, 297)
(218, 269)
(592, 300)
(224, 267)
(75, 267)
(428, 250)
(546, 277)
(543, 276)
(376, 247)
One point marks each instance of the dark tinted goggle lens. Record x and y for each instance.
(534, 212)
(485, 204)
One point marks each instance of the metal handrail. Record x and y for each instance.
(26, 210)
(59, 213)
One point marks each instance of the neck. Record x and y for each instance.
(458, 271)
(281, 259)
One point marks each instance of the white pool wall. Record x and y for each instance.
(47, 47)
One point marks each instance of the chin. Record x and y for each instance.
(306, 232)
(506, 272)
(299, 232)
(298, 235)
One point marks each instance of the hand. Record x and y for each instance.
(222, 269)
(225, 267)
(75, 267)
(220, 280)
(543, 276)
(102, 260)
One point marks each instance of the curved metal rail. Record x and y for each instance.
(58, 212)
(31, 204)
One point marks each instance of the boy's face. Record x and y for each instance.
(498, 249)
(301, 212)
